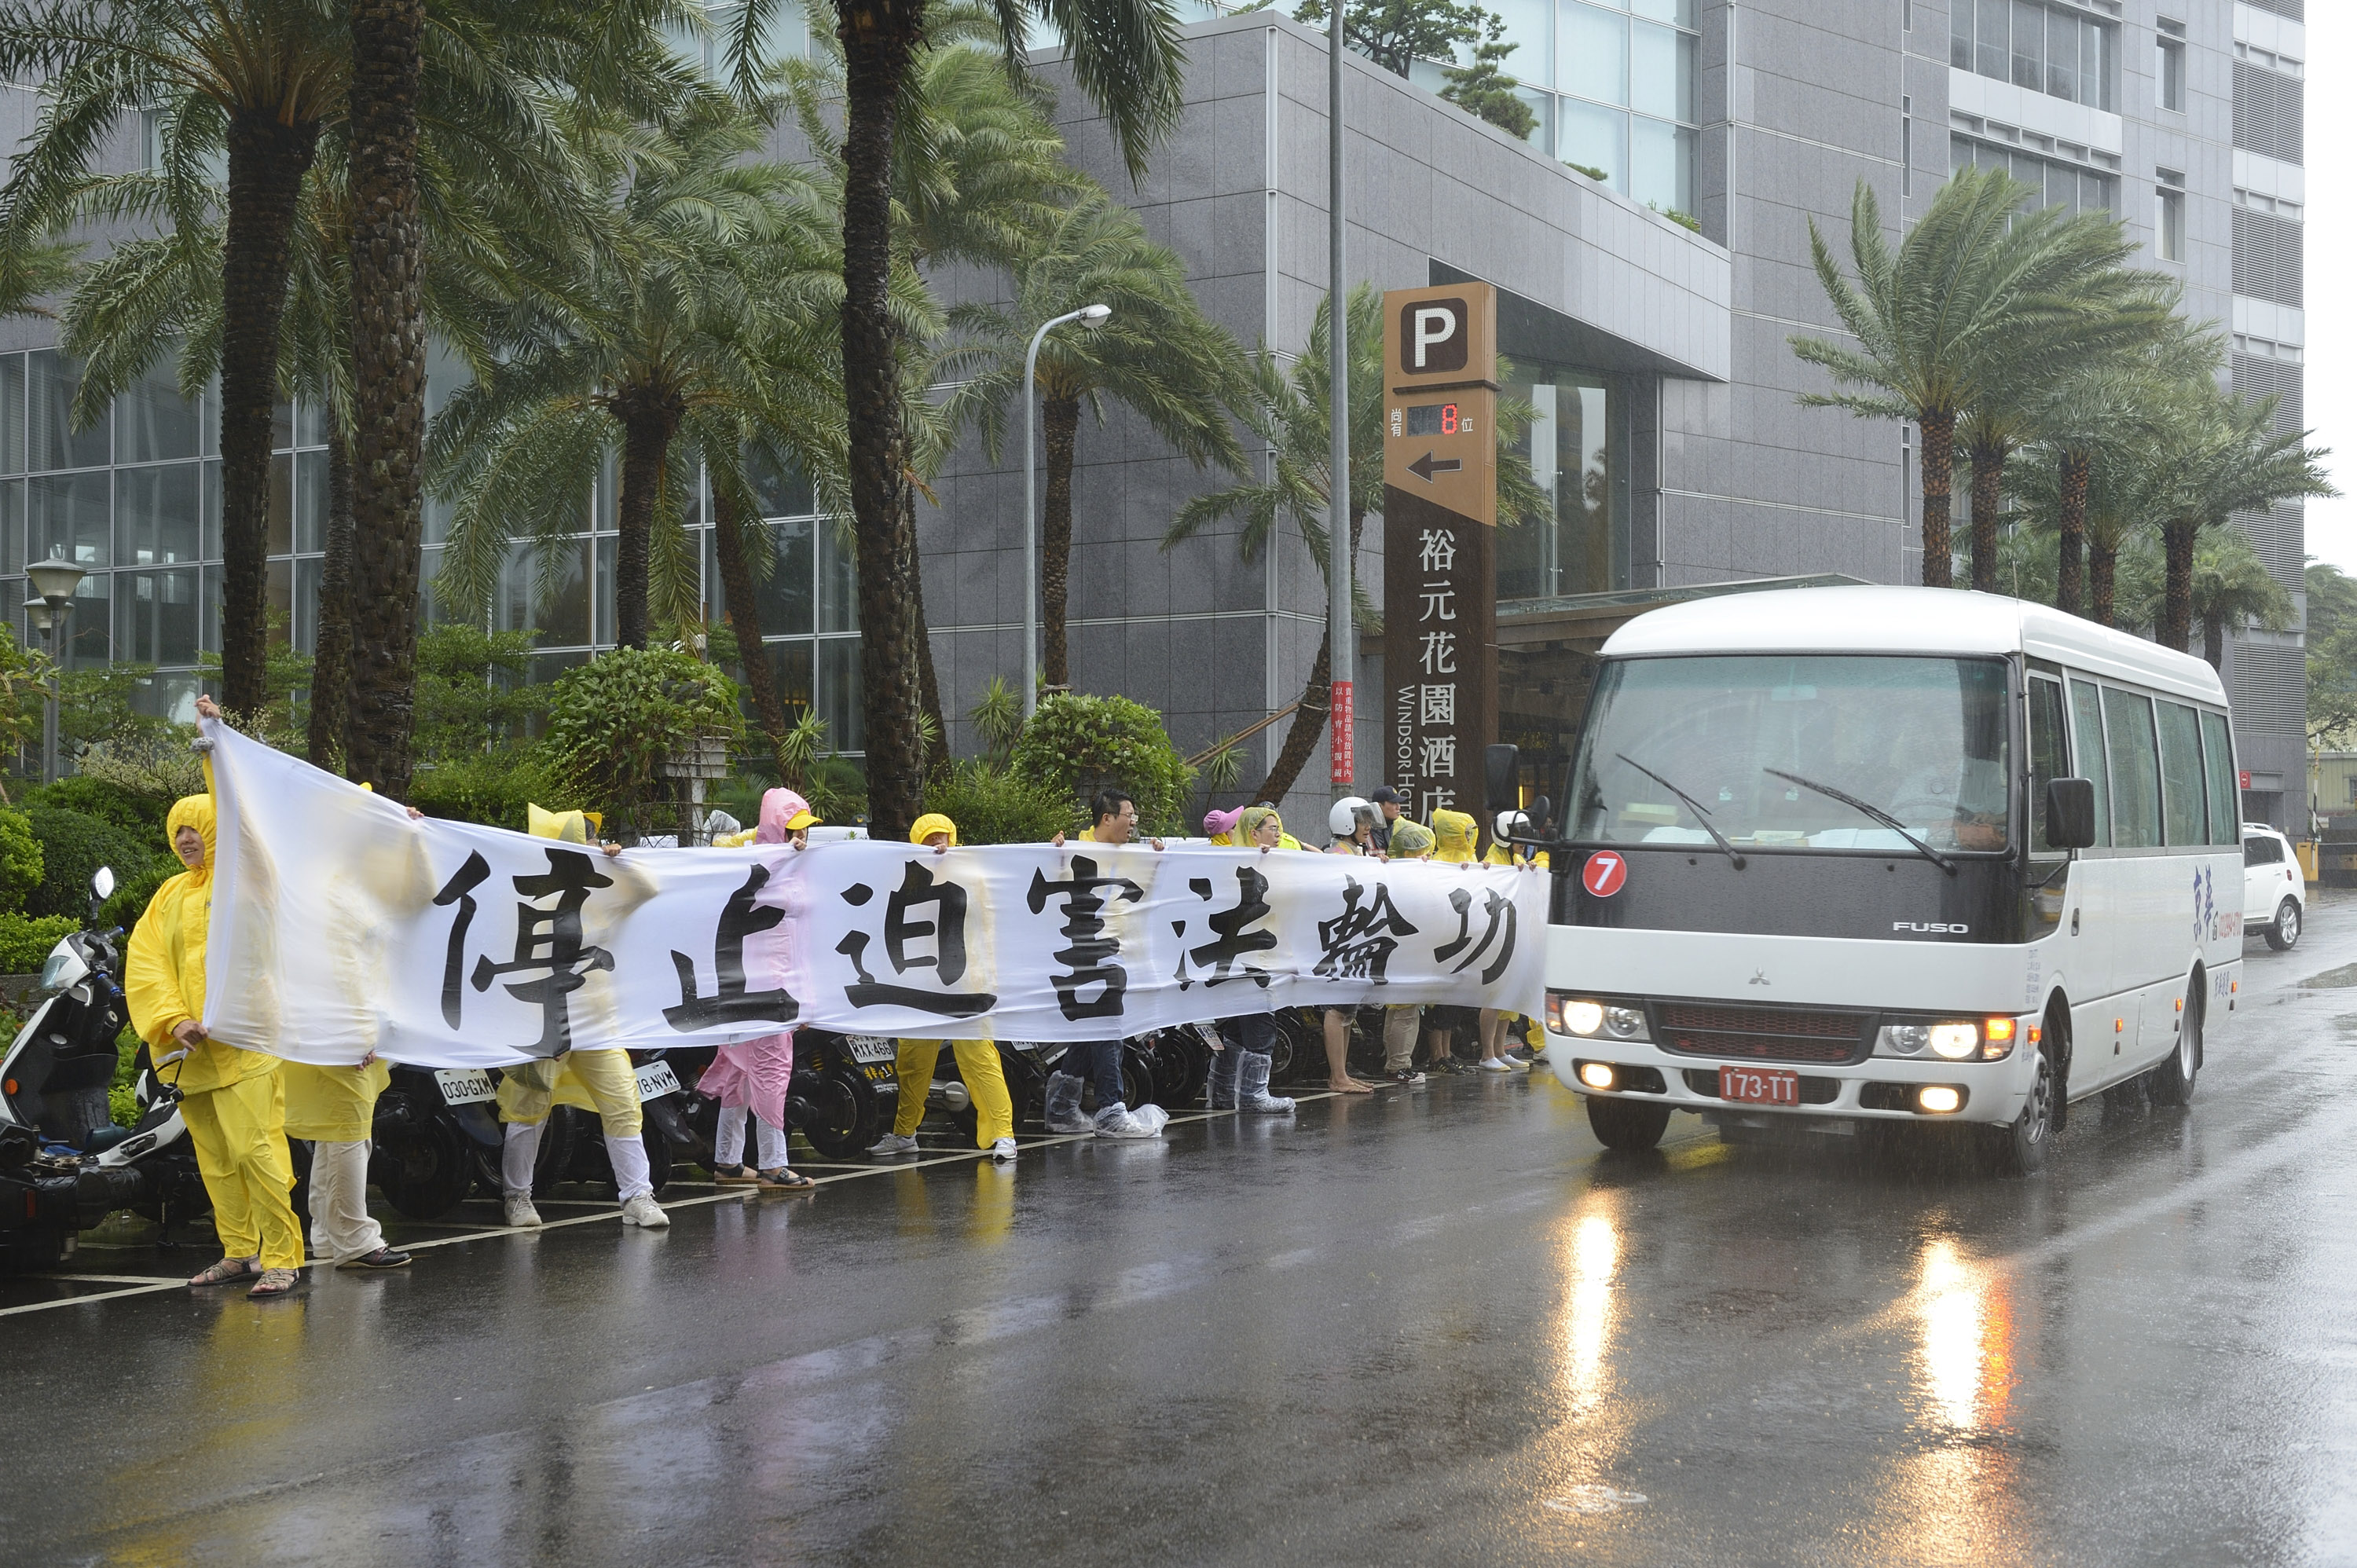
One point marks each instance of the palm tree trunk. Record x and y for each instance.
(2176, 596)
(388, 260)
(2103, 566)
(1988, 496)
(649, 420)
(331, 658)
(2070, 578)
(1939, 432)
(1061, 417)
(267, 161)
(729, 522)
(878, 39)
(929, 679)
(2213, 641)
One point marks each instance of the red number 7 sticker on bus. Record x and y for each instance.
(1606, 870)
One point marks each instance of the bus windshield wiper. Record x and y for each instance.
(1877, 812)
(1701, 812)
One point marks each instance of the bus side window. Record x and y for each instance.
(2087, 731)
(2181, 774)
(2049, 752)
(2136, 769)
(2225, 813)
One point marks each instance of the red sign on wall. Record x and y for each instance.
(1342, 755)
(2246, 778)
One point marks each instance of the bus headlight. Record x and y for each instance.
(1903, 1040)
(1955, 1042)
(1624, 1023)
(1588, 1017)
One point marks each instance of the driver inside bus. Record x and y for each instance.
(1962, 806)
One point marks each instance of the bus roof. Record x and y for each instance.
(1869, 620)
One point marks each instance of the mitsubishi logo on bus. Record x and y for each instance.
(1931, 928)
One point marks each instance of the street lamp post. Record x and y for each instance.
(55, 581)
(1091, 316)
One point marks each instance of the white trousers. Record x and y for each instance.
(340, 1227)
(728, 1142)
(628, 1157)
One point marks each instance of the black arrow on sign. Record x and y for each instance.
(1424, 467)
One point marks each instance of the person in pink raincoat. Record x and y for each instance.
(750, 1078)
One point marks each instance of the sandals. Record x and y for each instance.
(227, 1270)
(734, 1176)
(782, 1180)
(276, 1282)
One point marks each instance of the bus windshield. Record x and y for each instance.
(1767, 743)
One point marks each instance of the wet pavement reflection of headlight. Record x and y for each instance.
(1967, 1337)
(1593, 1253)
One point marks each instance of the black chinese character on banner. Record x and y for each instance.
(550, 939)
(1359, 942)
(1500, 911)
(918, 891)
(1088, 952)
(730, 1001)
(459, 890)
(1223, 956)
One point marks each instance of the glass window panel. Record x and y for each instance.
(785, 598)
(1989, 45)
(429, 609)
(2187, 816)
(782, 491)
(838, 578)
(1960, 34)
(154, 423)
(208, 420)
(436, 514)
(2063, 54)
(1657, 72)
(1530, 28)
(2168, 64)
(278, 537)
(310, 423)
(2099, 49)
(69, 516)
(310, 502)
(838, 694)
(208, 621)
(2049, 750)
(2029, 44)
(2136, 769)
(1960, 155)
(11, 414)
(605, 589)
(12, 528)
(1592, 53)
(1656, 174)
(307, 575)
(791, 663)
(170, 697)
(2218, 755)
(281, 427)
(212, 508)
(52, 441)
(2087, 742)
(1542, 107)
(1682, 12)
(2031, 172)
(89, 641)
(156, 617)
(157, 514)
(1595, 138)
(279, 599)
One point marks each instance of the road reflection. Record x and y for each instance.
(1955, 1498)
(1591, 1254)
(1966, 1338)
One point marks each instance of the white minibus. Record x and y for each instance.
(1891, 857)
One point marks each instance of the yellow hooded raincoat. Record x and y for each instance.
(233, 1100)
(986, 1081)
(603, 1081)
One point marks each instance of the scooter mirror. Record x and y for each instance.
(102, 884)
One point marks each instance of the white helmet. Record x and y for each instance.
(1345, 816)
(1513, 822)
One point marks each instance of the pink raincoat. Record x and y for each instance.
(755, 1072)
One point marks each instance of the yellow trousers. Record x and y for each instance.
(240, 1134)
(993, 1112)
(599, 1081)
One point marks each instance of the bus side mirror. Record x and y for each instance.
(1501, 777)
(2070, 813)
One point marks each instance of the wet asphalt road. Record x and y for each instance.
(1434, 1327)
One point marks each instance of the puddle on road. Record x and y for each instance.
(2331, 979)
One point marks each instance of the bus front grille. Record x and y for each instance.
(1762, 1033)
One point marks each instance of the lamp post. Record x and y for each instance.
(55, 581)
(1091, 316)
(1341, 631)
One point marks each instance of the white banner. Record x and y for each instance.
(342, 926)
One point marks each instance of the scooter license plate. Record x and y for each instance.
(871, 1048)
(1759, 1085)
(465, 1085)
(656, 1079)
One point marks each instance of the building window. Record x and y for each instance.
(1577, 448)
(1629, 76)
(2168, 215)
(2168, 65)
(2042, 48)
(2052, 182)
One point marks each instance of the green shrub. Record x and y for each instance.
(1077, 745)
(151, 769)
(837, 790)
(136, 812)
(612, 720)
(132, 895)
(992, 806)
(491, 788)
(122, 1101)
(75, 845)
(25, 940)
(20, 859)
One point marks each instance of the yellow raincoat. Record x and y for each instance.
(333, 1104)
(233, 1101)
(603, 1081)
(913, 1062)
(1453, 832)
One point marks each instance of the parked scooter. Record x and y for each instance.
(64, 1164)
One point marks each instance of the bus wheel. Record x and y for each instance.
(1626, 1124)
(2171, 1083)
(2019, 1148)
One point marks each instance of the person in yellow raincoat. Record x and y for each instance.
(335, 1109)
(233, 1101)
(599, 1081)
(986, 1084)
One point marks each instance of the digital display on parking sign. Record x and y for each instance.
(1431, 419)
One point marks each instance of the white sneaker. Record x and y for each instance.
(644, 1211)
(1124, 1122)
(521, 1215)
(1496, 1064)
(892, 1143)
(1003, 1150)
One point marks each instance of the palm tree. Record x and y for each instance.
(1126, 57)
(2223, 455)
(2231, 587)
(2113, 478)
(1159, 355)
(40, 269)
(1978, 295)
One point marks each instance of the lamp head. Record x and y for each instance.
(56, 580)
(37, 610)
(1095, 316)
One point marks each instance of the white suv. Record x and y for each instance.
(2275, 897)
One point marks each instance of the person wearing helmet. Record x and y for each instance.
(1386, 801)
(1353, 822)
(1113, 813)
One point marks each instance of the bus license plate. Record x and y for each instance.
(1759, 1085)
(656, 1079)
(465, 1085)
